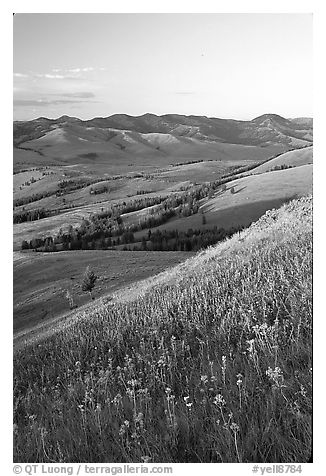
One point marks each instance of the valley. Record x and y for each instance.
(185, 184)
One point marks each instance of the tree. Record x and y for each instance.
(89, 281)
(143, 244)
(25, 245)
(70, 299)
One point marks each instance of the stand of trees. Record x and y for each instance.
(172, 240)
(108, 224)
(191, 240)
(33, 198)
(31, 215)
(281, 167)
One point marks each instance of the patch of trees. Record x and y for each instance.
(33, 198)
(99, 190)
(281, 167)
(108, 224)
(65, 186)
(71, 185)
(143, 192)
(166, 240)
(31, 215)
(190, 240)
(196, 161)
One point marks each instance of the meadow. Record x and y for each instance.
(209, 362)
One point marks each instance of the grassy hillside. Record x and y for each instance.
(253, 195)
(294, 158)
(209, 362)
(41, 280)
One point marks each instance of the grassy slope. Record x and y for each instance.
(253, 196)
(51, 225)
(210, 362)
(296, 158)
(42, 279)
(140, 152)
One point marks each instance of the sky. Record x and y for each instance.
(218, 65)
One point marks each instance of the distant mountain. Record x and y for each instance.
(261, 131)
(306, 121)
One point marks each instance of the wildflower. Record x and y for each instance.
(139, 421)
(122, 430)
(219, 400)
(234, 427)
(251, 344)
(146, 459)
(275, 376)
(117, 399)
(204, 378)
(239, 381)
(43, 432)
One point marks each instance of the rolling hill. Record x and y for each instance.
(254, 195)
(207, 362)
(293, 158)
(153, 140)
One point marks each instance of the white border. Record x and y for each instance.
(168, 6)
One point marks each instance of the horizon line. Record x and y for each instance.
(160, 115)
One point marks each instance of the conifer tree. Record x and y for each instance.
(89, 281)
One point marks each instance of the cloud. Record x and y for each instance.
(83, 95)
(50, 76)
(58, 76)
(20, 75)
(80, 70)
(45, 102)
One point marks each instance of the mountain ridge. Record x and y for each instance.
(262, 130)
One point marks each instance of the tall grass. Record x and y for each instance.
(214, 366)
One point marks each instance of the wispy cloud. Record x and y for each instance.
(80, 70)
(75, 74)
(86, 69)
(20, 75)
(46, 102)
(50, 76)
(83, 95)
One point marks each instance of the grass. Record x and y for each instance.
(296, 158)
(41, 280)
(212, 363)
(254, 194)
